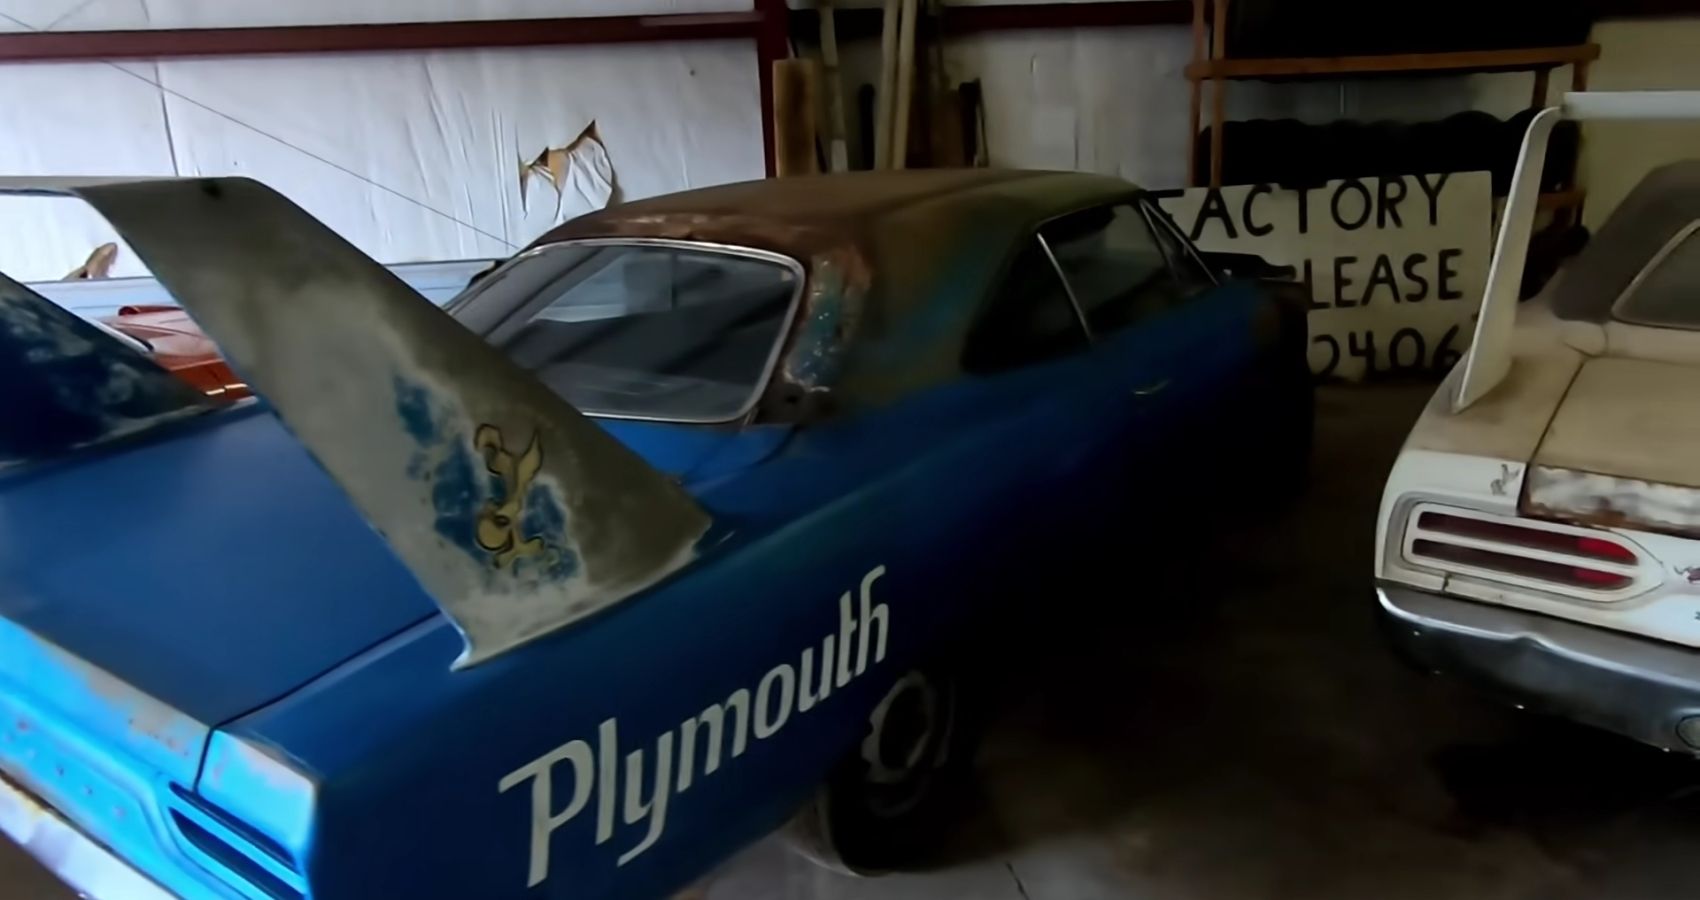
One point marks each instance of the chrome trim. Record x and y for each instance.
(1658, 258)
(1140, 204)
(1068, 289)
(128, 340)
(1643, 576)
(76, 859)
(779, 346)
(1635, 686)
(1158, 219)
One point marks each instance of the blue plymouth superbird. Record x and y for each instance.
(673, 525)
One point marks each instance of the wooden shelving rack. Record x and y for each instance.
(1210, 63)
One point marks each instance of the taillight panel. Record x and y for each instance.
(1582, 563)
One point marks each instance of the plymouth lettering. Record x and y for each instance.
(701, 744)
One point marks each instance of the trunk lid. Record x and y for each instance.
(1623, 449)
(155, 589)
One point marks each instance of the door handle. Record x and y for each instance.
(1155, 387)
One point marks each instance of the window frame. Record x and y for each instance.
(786, 330)
(1017, 249)
(1156, 219)
(1139, 202)
(1068, 289)
(1617, 307)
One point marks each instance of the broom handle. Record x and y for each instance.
(885, 99)
(905, 85)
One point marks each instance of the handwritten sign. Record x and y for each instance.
(1395, 266)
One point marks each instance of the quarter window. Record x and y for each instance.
(1664, 294)
(1114, 265)
(1030, 319)
(1183, 259)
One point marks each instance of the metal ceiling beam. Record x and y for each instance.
(757, 24)
(43, 46)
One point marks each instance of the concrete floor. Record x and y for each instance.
(1237, 731)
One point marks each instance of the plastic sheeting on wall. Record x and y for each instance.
(410, 155)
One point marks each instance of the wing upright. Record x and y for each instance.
(514, 511)
(1489, 357)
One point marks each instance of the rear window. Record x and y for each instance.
(70, 383)
(1667, 293)
(646, 331)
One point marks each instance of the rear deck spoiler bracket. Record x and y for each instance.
(1489, 357)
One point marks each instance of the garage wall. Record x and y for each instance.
(1640, 54)
(1115, 101)
(410, 155)
(415, 156)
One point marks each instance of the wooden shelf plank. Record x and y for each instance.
(1560, 199)
(1461, 61)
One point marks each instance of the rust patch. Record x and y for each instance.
(801, 241)
(830, 314)
(1610, 501)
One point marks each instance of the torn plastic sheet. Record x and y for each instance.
(416, 158)
(581, 168)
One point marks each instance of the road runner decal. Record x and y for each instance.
(499, 522)
(721, 732)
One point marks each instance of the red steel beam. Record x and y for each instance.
(773, 43)
(759, 25)
(42, 46)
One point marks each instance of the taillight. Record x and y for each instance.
(1547, 556)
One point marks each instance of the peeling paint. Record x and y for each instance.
(1610, 501)
(154, 722)
(471, 500)
(821, 336)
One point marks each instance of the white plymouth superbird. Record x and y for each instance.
(1540, 532)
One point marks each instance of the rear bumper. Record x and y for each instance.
(1634, 686)
(87, 867)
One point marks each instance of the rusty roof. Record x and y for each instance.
(800, 216)
(881, 248)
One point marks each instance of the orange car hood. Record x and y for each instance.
(177, 344)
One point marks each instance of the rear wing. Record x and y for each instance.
(1489, 358)
(515, 512)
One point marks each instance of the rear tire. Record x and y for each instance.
(886, 805)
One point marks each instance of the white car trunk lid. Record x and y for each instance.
(1623, 449)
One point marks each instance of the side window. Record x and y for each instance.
(1183, 257)
(1662, 295)
(1028, 320)
(1115, 266)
